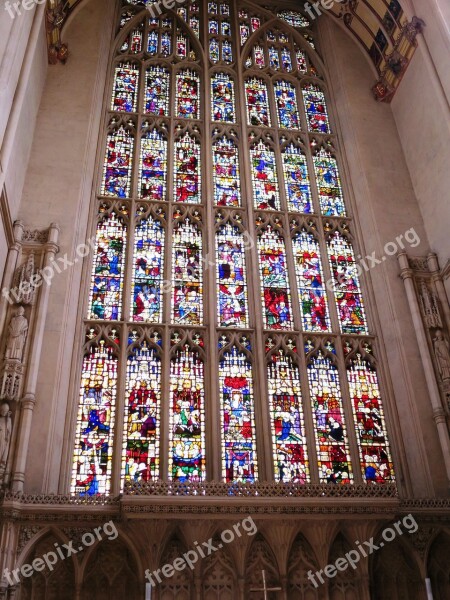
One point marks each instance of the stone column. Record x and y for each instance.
(435, 397)
(10, 268)
(29, 395)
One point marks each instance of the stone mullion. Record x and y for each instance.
(212, 404)
(263, 437)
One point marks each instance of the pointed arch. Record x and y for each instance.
(301, 561)
(260, 557)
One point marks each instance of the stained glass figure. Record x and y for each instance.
(329, 185)
(212, 8)
(245, 32)
(187, 170)
(148, 271)
(157, 86)
(274, 58)
(329, 423)
(166, 44)
(311, 284)
(226, 28)
(264, 176)
(257, 102)
(258, 55)
(181, 45)
(126, 86)
(286, 59)
(293, 18)
(302, 64)
(142, 426)
(105, 299)
(222, 89)
(92, 466)
(231, 277)
(290, 453)
(194, 22)
(213, 27)
(187, 292)
(275, 290)
(239, 462)
(153, 166)
(118, 164)
(188, 95)
(153, 42)
(255, 23)
(370, 424)
(133, 42)
(286, 97)
(346, 285)
(187, 416)
(297, 184)
(226, 173)
(224, 9)
(316, 109)
(227, 52)
(214, 52)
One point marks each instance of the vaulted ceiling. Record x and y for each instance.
(381, 27)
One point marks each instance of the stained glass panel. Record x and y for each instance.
(311, 284)
(275, 290)
(316, 109)
(153, 166)
(298, 189)
(329, 185)
(330, 429)
(264, 176)
(231, 277)
(118, 164)
(346, 286)
(257, 102)
(214, 52)
(239, 463)
(141, 445)
(187, 416)
(105, 299)
(157, 91)
(222, 89)
(258, 55)
(227, 52)
(286, 97)
(126, 87)
(95, 422)
(187, 170)
(148, 271)
(226, 173)
(188, 95)
(187, 294)
(287, 421)
(370, 424)
(293, 18)
(274, 58)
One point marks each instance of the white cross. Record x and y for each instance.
(265, 589)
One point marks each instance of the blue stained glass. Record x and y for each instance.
(286, 97)
(298, 189)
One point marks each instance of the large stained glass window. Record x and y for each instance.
(276, 295)
(95, 420)
(286, 412)
(105, 300)
(153, 166)
(142, 427)
(311, 284)
(187, 185)
(187, 269)
(224, 281)
(187, 416)
(375, 454)
(231, 277)
(329, 423)
(239, 461)
(148, 271)
(226, 173)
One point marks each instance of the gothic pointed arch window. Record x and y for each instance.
(228, 334)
